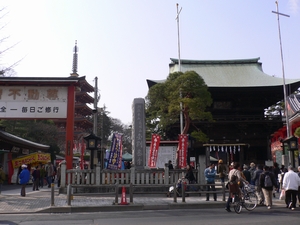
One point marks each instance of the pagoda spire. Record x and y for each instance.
(75, 61)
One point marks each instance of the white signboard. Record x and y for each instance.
(33, 102)
(165, 153)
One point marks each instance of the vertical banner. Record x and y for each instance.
(115, 154)
(82, 148)
(155, 141)
(182, 150)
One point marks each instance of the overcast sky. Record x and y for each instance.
(125, 42)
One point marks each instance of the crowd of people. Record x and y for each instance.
(41, 175)
(267, 181)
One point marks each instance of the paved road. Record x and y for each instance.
(260, 215)
(40, 202)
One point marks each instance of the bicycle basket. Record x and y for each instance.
(249, 187)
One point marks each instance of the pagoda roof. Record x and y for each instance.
(229, 73)
(83, 97)
(84, 85)
(83, 109)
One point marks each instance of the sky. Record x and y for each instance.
(125, 42)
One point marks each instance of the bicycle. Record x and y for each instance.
(246, 198)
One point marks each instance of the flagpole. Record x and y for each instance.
(283, 76)
(179, 65)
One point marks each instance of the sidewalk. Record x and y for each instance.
(40, 202)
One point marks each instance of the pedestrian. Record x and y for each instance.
(36, 178)
(299, 186)
(190, 175)
(24, 178)
(276, 172)
(267, 181)
(290, 184)
(42, 175)
(255, 180)
(246, 173)
(49, 173)
(2, 177)
(170, 165)
(210, 174)
(222, 170)
(234, 178)
(252, 170)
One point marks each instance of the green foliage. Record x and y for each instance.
(163, 102)
(297, 132)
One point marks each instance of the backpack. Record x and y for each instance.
(268, 182)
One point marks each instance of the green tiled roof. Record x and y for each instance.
(229, 73)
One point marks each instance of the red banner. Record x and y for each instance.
(155, 141)
(182, 150)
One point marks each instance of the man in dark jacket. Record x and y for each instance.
(24, 178)
(255, 180)
(267, 190)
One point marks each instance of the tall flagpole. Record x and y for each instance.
(179, 65)
(283, 75)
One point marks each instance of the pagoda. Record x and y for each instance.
(83, 113)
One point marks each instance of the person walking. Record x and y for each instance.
(210, 174)
(252, 170)
(246, 173)
(24, 178)
(36, 178)
(2, 177)
(222, 169)
(267, 181)
(290, 184)
(299, 186)
(42, 175)
(255, 180)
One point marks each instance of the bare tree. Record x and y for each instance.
(6, 71)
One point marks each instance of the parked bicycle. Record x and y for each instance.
(247, 199)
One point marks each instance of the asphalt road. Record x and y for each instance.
(260, 215)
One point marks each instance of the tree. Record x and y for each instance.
(164, 99)
(163, 102)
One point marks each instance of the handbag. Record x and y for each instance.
(282, 195)
(227, 185)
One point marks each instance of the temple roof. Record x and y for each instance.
(20, 142)
(228, 73)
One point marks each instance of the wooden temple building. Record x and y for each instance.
(241, 91)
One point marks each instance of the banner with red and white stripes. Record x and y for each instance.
(155, 141)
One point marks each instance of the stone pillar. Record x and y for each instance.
(63, 177)
(202, 167)
(132, 175)
(98, 174)
(138, 133)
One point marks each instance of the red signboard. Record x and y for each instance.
(155, 141)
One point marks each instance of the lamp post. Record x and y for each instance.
(93, 144)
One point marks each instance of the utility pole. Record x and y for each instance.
(95, 115)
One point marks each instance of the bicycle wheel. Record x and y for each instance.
(237, 207)
(250, 201)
